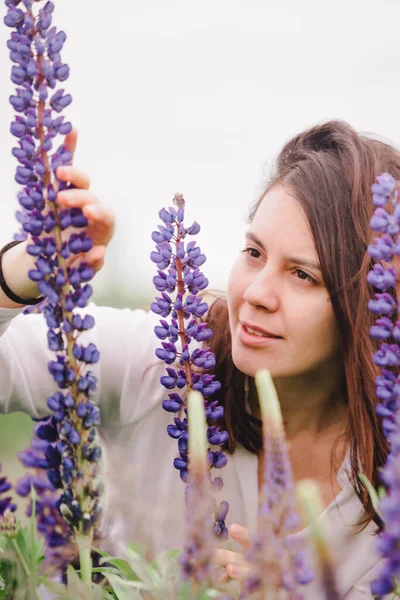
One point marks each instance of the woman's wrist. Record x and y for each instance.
(15, 264)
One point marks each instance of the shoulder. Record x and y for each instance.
(361, 589)
(356, 552)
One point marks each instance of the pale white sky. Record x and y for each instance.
(197, 98)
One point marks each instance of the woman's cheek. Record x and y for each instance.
(233, 288)
(318, 327)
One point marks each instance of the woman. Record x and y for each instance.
(296, 304)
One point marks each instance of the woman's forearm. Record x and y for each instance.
(15, 264)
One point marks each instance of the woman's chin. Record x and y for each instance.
(250, 365)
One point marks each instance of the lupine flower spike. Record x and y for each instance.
(196, 558)
(276, 562)
(179, 279)
(311, 506)
(60, 549)
(35, 48)
(38, 458)
(386, 330)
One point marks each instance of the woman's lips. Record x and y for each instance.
(251, 339)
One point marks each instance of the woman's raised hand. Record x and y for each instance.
(234, 563)
(101, 221)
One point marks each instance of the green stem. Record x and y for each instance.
(20, 557)
(33, 593)
(85, 560)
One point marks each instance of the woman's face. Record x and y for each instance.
(276, 286)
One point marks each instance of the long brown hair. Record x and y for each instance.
(330, 169)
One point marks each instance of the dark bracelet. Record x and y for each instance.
(5, 287)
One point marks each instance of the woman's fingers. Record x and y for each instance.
(71, 140)
(235, 571)
(240, 534)
(94, 258)
(101, 221)
(236, 566)
(223, 557)
(69, 174)
(74, 197)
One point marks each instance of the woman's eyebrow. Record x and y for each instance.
(304, 262)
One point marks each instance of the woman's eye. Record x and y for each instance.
(252, 252)
(305, 276)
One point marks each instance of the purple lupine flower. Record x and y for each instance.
(381, 278)
(383, 304)
(276, 561)
(179, 280)
(387, 331)
(42, 460)
(35, 49)
(383, 189)
(6, 503)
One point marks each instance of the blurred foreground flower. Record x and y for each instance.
(311, 505)
(276, 562)
(199, 544)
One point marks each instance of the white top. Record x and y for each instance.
(145, 492)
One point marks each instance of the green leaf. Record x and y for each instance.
(126, 590)
(381, 492)
(101, 552)
(55, 588)
(112, 570)
(77, 590)
(35, 546)
(168, 569)
(141, 566)
(73, 579)
(372, 493)
(108, 595)
(122, 565)
(167, 560)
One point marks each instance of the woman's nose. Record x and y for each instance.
(263, 292)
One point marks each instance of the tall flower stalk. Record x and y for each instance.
(179, 279)
(276, 562)
(35, 48)
(386, 330)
